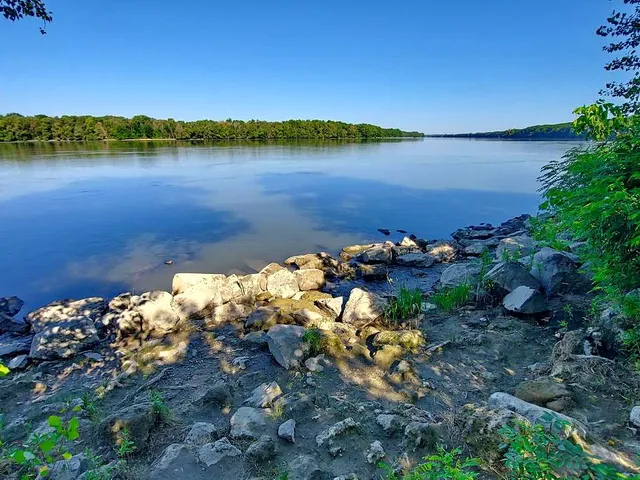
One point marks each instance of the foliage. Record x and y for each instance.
(547, 232)
(405, 305)
(559, 131)
(539, 453)
(314, 338)
(442, 465)
(90, 407)
(4, 371)
(624, 26)
(15, 127)
(18, 9)
(159, 407)
(42, 450)
(127, 446)
(448, 299)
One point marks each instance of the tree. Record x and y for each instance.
(624, 30)
(18, 9)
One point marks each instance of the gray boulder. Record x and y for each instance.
(262, 319)
(19, 362)
(286, 345)
(198, 300)
(515, 247)
(558, 272)
(213, 453)
(442, 251)
(10, 305)
(262, 450)
(201, 433)
(248, 422)
(12, 344)
(169, 464)
(363, 308)
(305, 467)
(68, 469)
(331, 306)
(137, 419)
(459, 274)
(372, 272)
(287, 431)
(525, 300)
(634, 416)
(157, 310)
(377, 254)
(310, 279)
(11, 324)
(264, 395)
(418, 259)
(542, 390)
(506, 277)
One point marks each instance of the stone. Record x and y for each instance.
(158, 311)
(525, 300)
(168, 465)
(262, 450)
(419, 435)
(19, 362)
(372, 272)
(541, 390)
(199, 299)
(377, 254)
(375, 453)
(137, 419)
(67, 469)
(460, 273)
(258, 338)
(419, 260)
(409, 242)
(442, 251)
(310, 279)
(390, 423)
(247, 288)
(313, 363)
(363, 308)
(308, 318)
(10, 324)
(287, 431)
(634, 416)
(336, 430)
(12, 344)
(305, 467)
(201, 433)
(321, 261)
(331, 306)
(213, 453)
(248, 422)
(506, 277)
(182, 281)
(96, 357)
(475, 249)
(228, 313)
(387, 356)
(282, 284)
(480, 232)
(558, 272)
(410, 339)
(219, 394)
(513, 248)
(262, 319)
(287, 346)
(264, 395)
(11, 306)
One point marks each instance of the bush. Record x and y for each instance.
(440, 466)
(448, 299)
(405, 305)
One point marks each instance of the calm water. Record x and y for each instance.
(93, 219)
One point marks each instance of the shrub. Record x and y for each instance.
(440, 466)
(448, 299)
(4, 371)
(405, 305)
(159, 406)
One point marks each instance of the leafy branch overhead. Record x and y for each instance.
(18, 9)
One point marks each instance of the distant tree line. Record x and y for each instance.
(558, 131)
(15, 127)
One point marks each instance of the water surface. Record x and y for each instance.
(101, 218)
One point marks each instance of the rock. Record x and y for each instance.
(634, 416)
(375, 453)
(10, 324)
(10, 306)
(481, 232)
(442, 251)
(247, 288)
(390, 423)
(362, 308)
(475, 249)
(157, 310)
(513, 248)
(557, 272)
(542, 390)
(137, 419)
(96, 357)
(377, 254)
(12, 343)
(331, 306)
(201, 433)
(68, 469)
(264, 395)
(262, 319)
(219, 395)
(321, 261)
(409, 242)
(199, 299)
(248, 422)
(387, 355)
(305, 467)
(227, 313)
(459, 274)
(531, 412)
(213, 453)
(313, 364)
(525, 300)
(310, 279)
(19, 362)
(287, 431)
(258, 338)
(420, 434)
(282, 284)
(506, 277)
(262, 450)
(182, 281)
(410, 339)
(271, 269)
(561, 404)
(286, 345)
(339, 428)
(65, 328)
(385, 231)
(419, 260)
(107, 471)
(168, 465)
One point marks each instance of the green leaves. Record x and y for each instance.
(4, 371)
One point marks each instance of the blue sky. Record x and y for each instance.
(429, 65)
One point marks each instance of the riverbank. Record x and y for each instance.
(323, 366)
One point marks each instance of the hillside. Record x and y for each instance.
(558, 131)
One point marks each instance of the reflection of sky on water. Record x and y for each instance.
(79, 220)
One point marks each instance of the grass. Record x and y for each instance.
(159, 406)
(448, 299)
(405, 305)
(314, 338)
(90, 407)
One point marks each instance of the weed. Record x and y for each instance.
(442, 465)
(405, 305)
(159, 406)
(4, 371)
(127, 445)
(314, 338)
(276, 411)
(89, 406)
(448, 299)
(283, 476)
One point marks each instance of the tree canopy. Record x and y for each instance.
(18, 9)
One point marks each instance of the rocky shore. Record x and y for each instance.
(303, 370)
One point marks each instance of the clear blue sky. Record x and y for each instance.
(428, 65)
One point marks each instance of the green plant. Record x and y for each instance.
(548, 232)
(443, 465)
(4, 371)
(283, 476)
(448, 299)
(546, 452)
(314, 338)
(159, 406)
(127, 446)
(405, 305)
(40, 451)
(89, 406)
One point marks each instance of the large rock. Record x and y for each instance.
(264, 395)
(10, 305)
(262, 450)
(634, 416)
(182, 281)
(157, 310)
(442, 251)
(310, 279)
(377, 254)
(321, 261)
(168, 465)
(248, 422)
(409, 339)
(506, 277)
(363, 308)
(328, 436)
(65, 328)
(137, 419)
(480, 232)
(227, 313)
(287, 430)
(330, 306)
(12, 344)
(199, 299)
(542, 390)
(372, 272)
(525, 300)
(68, 469)
(417, 259)
(513, 248)
(262, 319)
(282, 284)
(213, 453)
(558, 272)
(10, 324)
(201, 433)
(305, 467)
(459, 274)
(287, 346)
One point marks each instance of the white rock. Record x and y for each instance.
(19, 362)
(375, 453)
(201, 433)
(362, 308)
(282, 284)
(212, 453)
(634, 417)
(264, 395)
(286, 345)
(248, 422)
(310, 279)
(336, 430)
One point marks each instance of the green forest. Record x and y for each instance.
(18, 128)
(558, 131)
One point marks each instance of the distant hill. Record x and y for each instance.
(558, 131)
